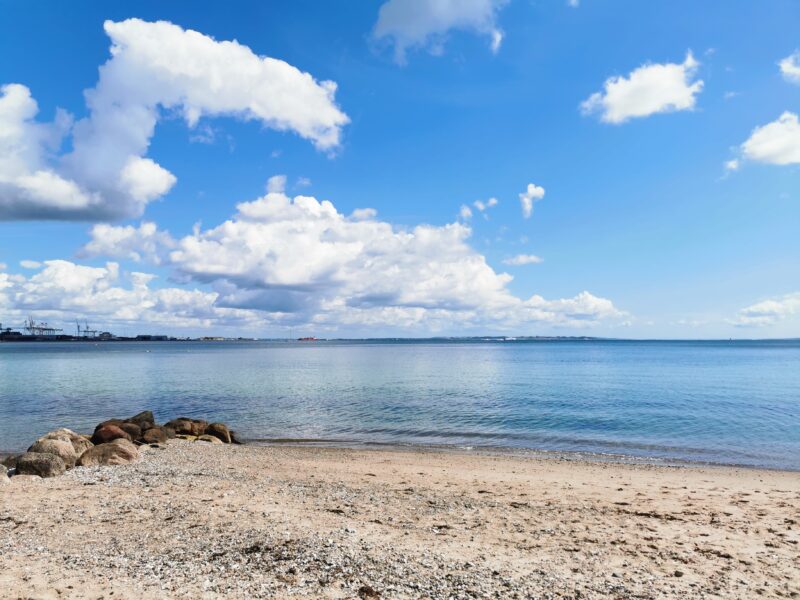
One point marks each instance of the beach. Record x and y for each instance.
(195, 520)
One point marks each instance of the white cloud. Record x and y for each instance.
(649, 89)
(531, 194)
(143, 243)
(777, 143)
(425, 23)
(573, 3)
(106, 174)
(482, 206)
(523, 259)
(790, 67)
(299, 260)
(30, 264)
(276, 184)
(769, 312)
(732, 165)
(465, 212)
(65, 290)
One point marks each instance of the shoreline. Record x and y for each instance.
(487, 450)
(205, 520)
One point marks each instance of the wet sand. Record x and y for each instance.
(195, 520)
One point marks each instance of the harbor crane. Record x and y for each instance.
(40, 329)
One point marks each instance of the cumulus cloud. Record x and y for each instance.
(299, 259)
(649, 89)
(531, 194)
(790, 67)
(465, 212)
(143, 243)
(30, 264)
(523, 259)
(425, 23)
(777, 143)
(106, 174)
(63, 290)
(769, 312)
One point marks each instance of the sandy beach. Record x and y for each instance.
(195, 520)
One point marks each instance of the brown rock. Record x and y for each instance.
(199, 426)
(154, 435)
(181, 426)
(10, 461)
(144, 420)
(235, 438)
(61, 448)
(188, 438)
(209, 438)
(116, 422)
(169, 431)
(117, 452)
(219, 430)
(43, 465)
(109, 433)
(79, 442)
(132, 429)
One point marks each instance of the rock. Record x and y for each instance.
(209, 438)
(79, 442)
(116, 422)
(144, 420)
(10, 461)
(117, 452)
(188, 438)
(23, 478)
(61, 448)
(154, 435)
(169, 431)
(3, 472)
(109, 433)
(219, 430)
(235, 439)
(181, 426)
(43, 465)
(132, 429)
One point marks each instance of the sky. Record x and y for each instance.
(402, 167)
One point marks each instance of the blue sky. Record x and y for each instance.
(670, 208)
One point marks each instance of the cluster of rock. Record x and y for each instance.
(114, 442)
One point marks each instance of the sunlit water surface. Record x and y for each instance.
(721, 402)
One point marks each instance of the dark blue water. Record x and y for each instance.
(722, 402)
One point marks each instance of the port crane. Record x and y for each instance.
(87, 332)
(38, 329)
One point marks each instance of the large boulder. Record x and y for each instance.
(219, 430)
(209, 438)
(235, 439)
(117, 452)
(79, 443)
(43, 465)
(132, 429)
(144, 420)
(61, 448)
(154, 435)
(109, 433)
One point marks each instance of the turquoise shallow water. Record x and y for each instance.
(721, 402)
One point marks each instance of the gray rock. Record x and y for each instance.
(61, 448)
(79, 442)
(117, 452)
(43, 465)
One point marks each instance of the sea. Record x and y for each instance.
(710, 402)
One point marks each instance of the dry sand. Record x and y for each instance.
(197, 520)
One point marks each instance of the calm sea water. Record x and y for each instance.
(723, 402)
